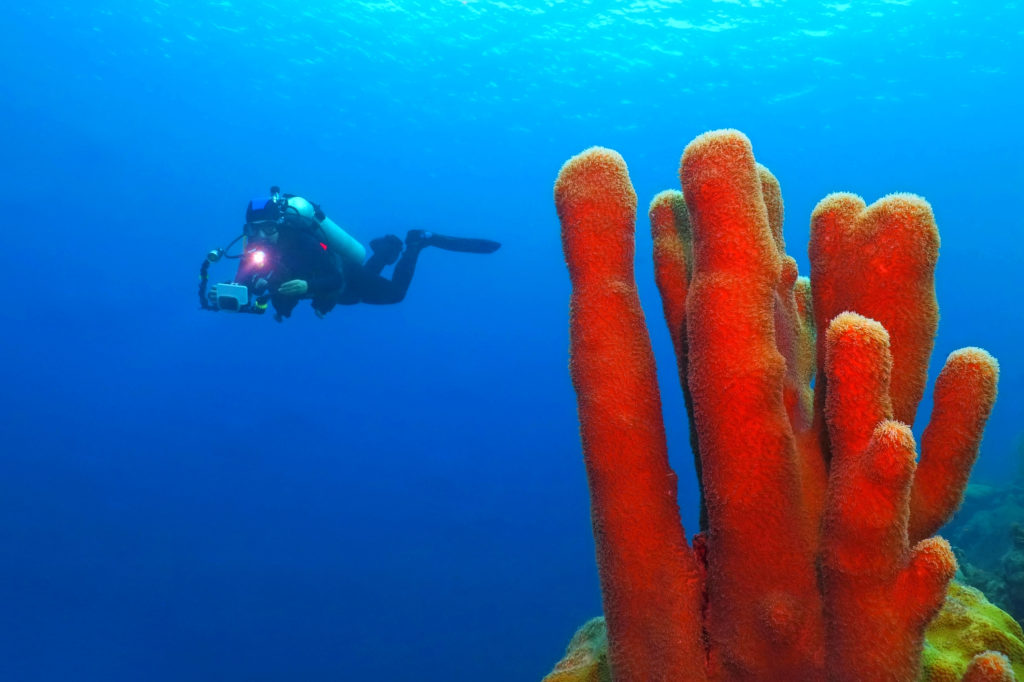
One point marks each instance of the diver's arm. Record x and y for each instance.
(328, 277)
(325, 282)
(313, 286)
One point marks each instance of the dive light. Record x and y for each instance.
(232, 296)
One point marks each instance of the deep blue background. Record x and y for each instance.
(397, 492)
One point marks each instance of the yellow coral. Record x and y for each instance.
(586, 657)
(968, 624)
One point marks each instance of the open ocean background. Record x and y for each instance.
(397, 492)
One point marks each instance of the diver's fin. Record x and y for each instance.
(463, 244)
(386, 251)
(389, 247)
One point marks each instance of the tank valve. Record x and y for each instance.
(215, 255)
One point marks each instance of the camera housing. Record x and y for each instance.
(230, 297)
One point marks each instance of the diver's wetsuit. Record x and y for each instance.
(298, 254)
(366, 285)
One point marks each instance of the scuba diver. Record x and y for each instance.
(292, 251)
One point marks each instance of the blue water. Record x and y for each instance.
(397, 492)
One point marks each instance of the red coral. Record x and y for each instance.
(812, 506)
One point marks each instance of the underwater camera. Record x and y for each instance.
(233, 297)
(229, 297)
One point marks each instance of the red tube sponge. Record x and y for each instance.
(649, 578)
(814, 561)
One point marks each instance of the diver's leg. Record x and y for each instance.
(376, 289)
(404, 269)
(383, 291)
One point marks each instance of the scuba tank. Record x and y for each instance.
(340, 242)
